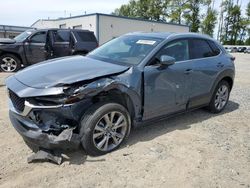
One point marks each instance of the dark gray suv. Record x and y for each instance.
(33, 46)
(94, 101)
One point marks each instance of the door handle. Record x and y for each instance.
(188, 71)
(220, 64)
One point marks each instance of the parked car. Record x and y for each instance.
(136, 78)
(247, 50)
(241, 49)
(33, 46)
(232, 49)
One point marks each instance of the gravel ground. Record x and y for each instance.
(197, 149)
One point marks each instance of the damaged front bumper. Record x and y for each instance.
(35, 136)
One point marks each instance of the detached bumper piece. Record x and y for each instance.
(45, 155)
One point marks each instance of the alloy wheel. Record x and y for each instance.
(221, 97)
(8, 64)
(110, 131)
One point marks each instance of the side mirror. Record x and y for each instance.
(167, 60)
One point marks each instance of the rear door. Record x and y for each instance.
(207, 63)
(61, 43)
(35, 47)
(167, 88)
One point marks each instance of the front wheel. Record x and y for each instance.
(104, 127)
(9, 63)
(220, 97)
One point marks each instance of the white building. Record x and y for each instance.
(107, 26)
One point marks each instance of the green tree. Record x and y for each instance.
(193, 18)
(235, 22)
(146, 9)
(177, 10)
(248, 23)
(210, 20)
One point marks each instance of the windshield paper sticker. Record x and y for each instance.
(148, 42)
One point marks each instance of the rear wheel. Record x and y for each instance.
(220, 97)
(104, 127)
(9, 63)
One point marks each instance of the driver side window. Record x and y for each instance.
(39, 37)
(177, 49)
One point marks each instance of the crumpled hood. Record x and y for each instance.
(7, 41)
(66, 70)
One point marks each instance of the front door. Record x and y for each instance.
(35, 47)
(166, 88)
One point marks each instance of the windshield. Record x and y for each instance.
(128, 49)
(21, 37)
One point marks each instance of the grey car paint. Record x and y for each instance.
(151, 91)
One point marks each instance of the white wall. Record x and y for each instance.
(111, 27)
(87, 22)
(43, 24)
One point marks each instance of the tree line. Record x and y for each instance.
(200, 15)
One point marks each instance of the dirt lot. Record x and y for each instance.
(197, 149)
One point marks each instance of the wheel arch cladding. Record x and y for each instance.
(227, 75)
(229, 81)
(118, 96)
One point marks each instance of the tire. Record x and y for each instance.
(219, 101)
(9, 63)
(97, 136)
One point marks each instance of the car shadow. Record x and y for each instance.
(148, 132)
(183, 121)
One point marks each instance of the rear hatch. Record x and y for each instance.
(86, 40)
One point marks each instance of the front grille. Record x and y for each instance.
(17, 101)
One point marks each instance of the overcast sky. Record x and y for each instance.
(26, 12)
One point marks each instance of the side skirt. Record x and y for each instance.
(164, 117)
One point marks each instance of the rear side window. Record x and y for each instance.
(200, 49)
(215, 48)
(86, 36)
(62, 36)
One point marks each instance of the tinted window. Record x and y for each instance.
(86, 36)
(215, 48)
(62, 36)
(38, 37)
(176, 49)
(200, 49)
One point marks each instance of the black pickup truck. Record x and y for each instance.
(33, 46)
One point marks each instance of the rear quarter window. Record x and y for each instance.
(200, 48)
(215, 48)
(86, 36)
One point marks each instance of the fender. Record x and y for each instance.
(105, 85)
